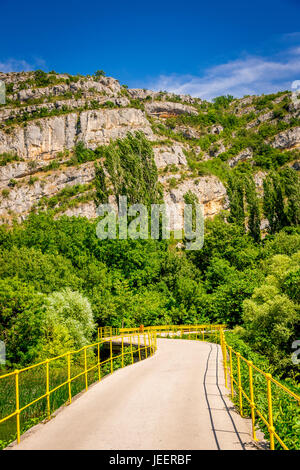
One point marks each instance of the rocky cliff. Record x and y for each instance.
(195, 143)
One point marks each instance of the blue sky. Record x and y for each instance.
(202, 48)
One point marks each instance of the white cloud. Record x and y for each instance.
(14, 65)
(248, 76)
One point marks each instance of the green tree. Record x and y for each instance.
(273, 202)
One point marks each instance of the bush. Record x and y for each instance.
(68, 323)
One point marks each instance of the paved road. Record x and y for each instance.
(174, 400)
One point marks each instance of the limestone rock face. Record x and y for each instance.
(97, 109)
(169, 108)
(287, 139)
(22, 197)
(83, 210)
(19, 170)
(45, 137)
(208, 189)
(98, 127)
(187, 132)
(241, 157)
(142, 94)
(106, 85)
(71, 104)
(169, 156)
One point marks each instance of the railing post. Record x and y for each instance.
(231, 371)
(85, 369)
(111, 358)
(240, 383)
(139, 347)
(271, 426)
(224, 354)
(69, 377)
(99, 367)
(145, 344)
(122, 351)
(225, 363)
(131, 349)
(47, 388)
(252, 404)
(17, 405)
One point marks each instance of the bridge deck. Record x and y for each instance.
(174, 400)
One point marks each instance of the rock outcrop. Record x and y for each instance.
(47, 115)
(43, 138)
(168, 107)
(289, 139)
(169, 156)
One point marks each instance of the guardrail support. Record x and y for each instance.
(69, 377)
(47, 388)
(271, 426)
(17, 405)
(85, 370)
(98, 363)
(111, 358)
(252, 404)
(139, 347)
(240, 383)
(231, 372)
(131, 349)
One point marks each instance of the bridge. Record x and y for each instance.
(174, 394)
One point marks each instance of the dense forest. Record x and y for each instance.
(58, 281)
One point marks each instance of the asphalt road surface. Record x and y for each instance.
(174, 400)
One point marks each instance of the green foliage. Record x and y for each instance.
(281, 199)
(20, 319)
(271, 316)
(8, 158)
(45, 271)
(243, 197)
(236, 194)
(285, 409)
(266, 100)
(68, 323)
(223, 101)
(130, 164)
(99, 73)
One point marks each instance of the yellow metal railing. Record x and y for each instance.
(236, 383)
(135, 345)
(237, 387)
(142, 341)
(161, 329)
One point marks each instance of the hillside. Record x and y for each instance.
(55, 127)
(68, 143)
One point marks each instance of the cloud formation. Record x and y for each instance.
(249, 76)
(14, 65)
